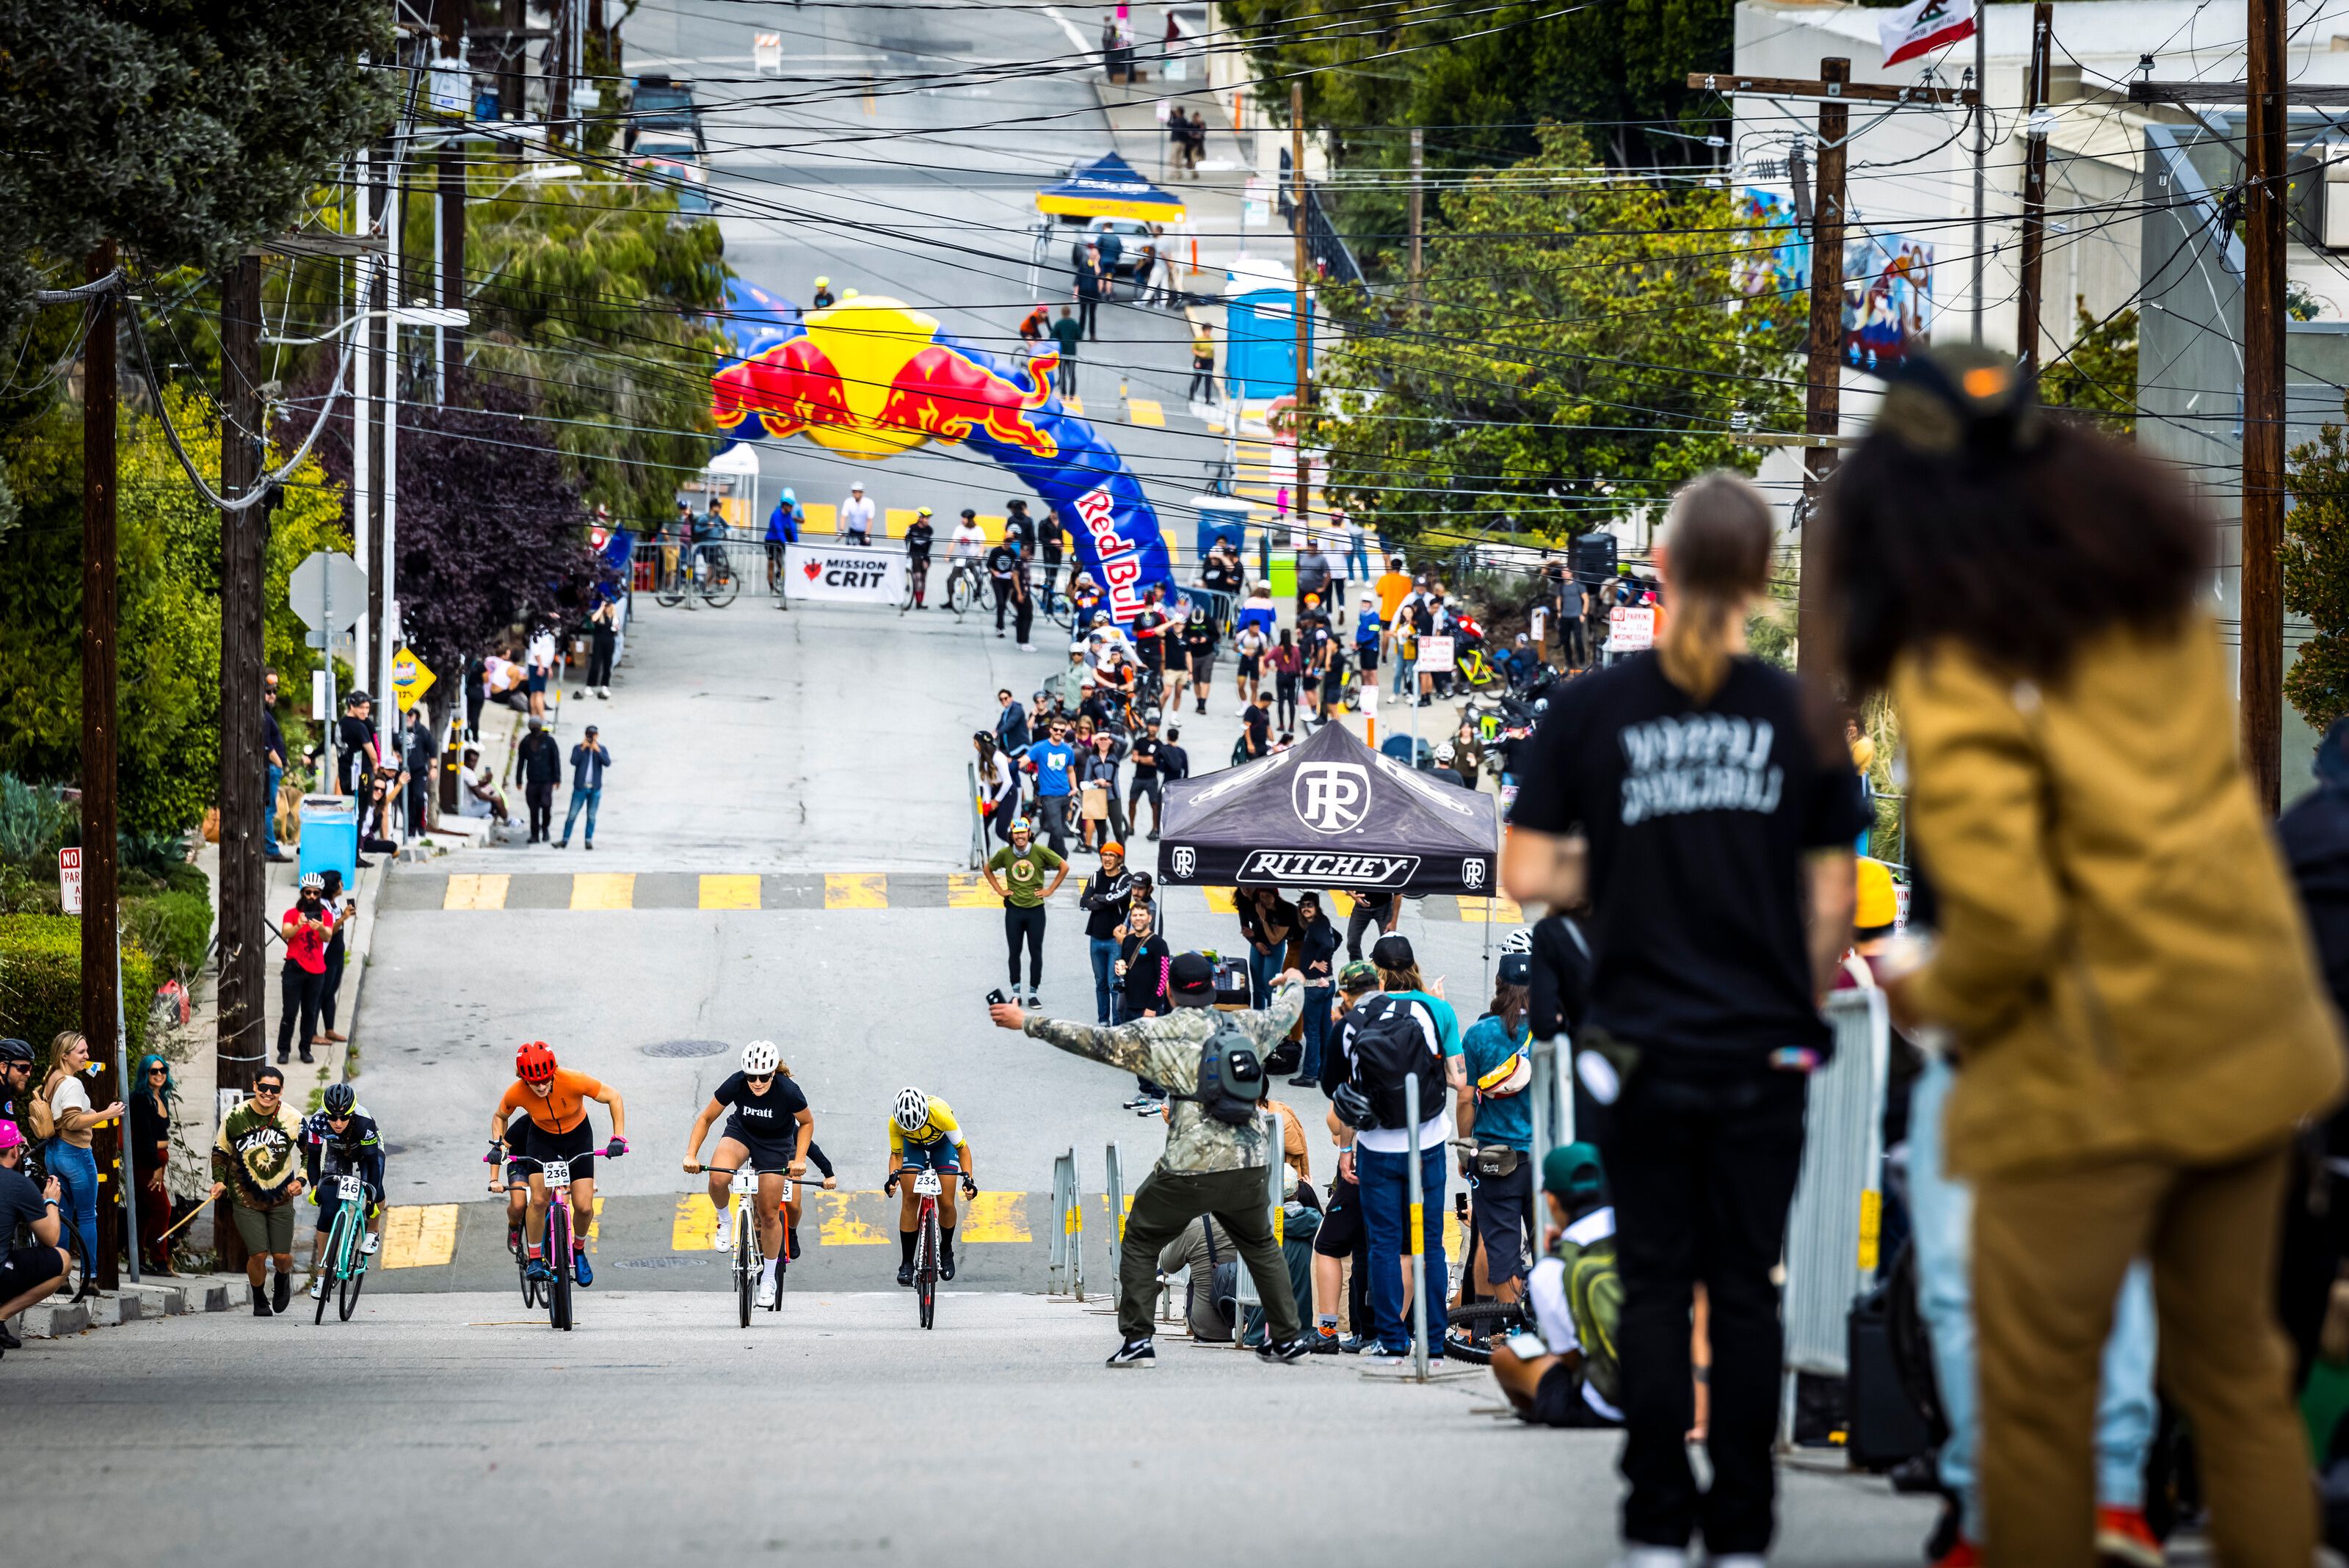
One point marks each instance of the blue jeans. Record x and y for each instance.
(1318, 1026)
(1263, 969)
(1104, 952)
(1359, 556)
(269, 812)
(1404, 669)
(1386, 1207)
(79, 1166)
(591, 799)
(1940, 1213)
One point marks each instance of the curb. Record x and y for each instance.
(110, 1309)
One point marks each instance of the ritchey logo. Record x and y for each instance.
(1331, 798)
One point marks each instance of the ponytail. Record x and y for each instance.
(1717, 559)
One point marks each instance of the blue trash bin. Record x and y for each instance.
(330, 836)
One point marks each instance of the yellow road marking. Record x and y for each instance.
(417, 1236)
(895, 520)
(603, 890)
(968, 891)
(1343, 903)
(1074, 404)
(1482, 911)
(995, 1217)
(486, 891)
(855, 891)
(695, 1225)
(729, 892)
(1219, 899)
(839, 1223)
(595, 1223)
(1456, 1242)
(990, 523)
(820, 517)
(1144, 411)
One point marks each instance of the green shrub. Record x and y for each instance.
(175, 927)
(40, 983)
(32, 820)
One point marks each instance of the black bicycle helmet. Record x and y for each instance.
(338, 1099)
(14, 1050)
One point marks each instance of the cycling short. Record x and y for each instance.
(1249, 666)
(577, 1146)
(768, 1155)
(1341, 1222)
(941, 1156)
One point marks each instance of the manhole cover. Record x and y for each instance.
(687, 1048)
(670, 1262)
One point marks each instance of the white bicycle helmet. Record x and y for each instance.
(759, 1059)
(912, 1112)
(1520, 941)
(314, 883)
(1444, 752)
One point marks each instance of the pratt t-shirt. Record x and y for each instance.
(1022, 873)
(770, 1117)
(1699, 819)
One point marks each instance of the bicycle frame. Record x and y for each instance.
(749, 1254)
(345, 1265)
(926, 1188)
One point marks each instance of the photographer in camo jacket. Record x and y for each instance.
(1210, 1166)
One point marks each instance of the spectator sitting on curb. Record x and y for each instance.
(482, 796)
(27, 1275)
(1577, 1298)
(257, 1159)
(1209, 1167)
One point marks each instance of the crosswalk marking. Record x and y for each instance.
(1482, 911)
(729, 892)
(1220, 900)
(968, 891)
(419, 1236)
(855, 891)
(995, 1217)
(1145, 411)
(839, 1222)
(485, 891)
(603, 890)
(695, 1224)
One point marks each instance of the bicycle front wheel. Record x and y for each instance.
(959, 594)
(719, 588)
(338, 1240)
(354, 1279)
(925, 1274)
(558, 1260)
(669, 586)
(745, 1261)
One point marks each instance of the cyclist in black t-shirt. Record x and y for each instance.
(769, 1128)
(919, 536)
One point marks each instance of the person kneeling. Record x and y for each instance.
(1571, 1378)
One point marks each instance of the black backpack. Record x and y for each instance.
(1390, 1044)
(1232, 1077)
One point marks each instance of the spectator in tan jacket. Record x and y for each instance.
(2121, 968)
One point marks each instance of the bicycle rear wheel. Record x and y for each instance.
(1469, 1331)
(338, 1239)
(720, 584)
(668, 588)
(959, 594)
(925, 1271)
(354, 1279)
(746, 1260)
(558, 1259)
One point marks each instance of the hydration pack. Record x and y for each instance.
(1232, 1076)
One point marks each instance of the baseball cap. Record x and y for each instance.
(1360, 975)
(1191, 973)
(1517, 968)
(1572, 1171)
(1393, 952)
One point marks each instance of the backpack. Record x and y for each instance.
(1594, 1293)
(1232, 1077)
(40, 1119)
(1389, 1044)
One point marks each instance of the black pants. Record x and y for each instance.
(998, 817)
(1202, 389)
(1023, 616)
(1362, 918)
(600, 641)
(1002, 602)
(541, 809)
(329, 984)
(474, 697)
(1065, 378)
(1025, 925)
(1703, 1169)
(1085, 309)
(298, 992)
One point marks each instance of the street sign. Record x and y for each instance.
(328, 591)
(411, 680)
(1435, 655)
(1630, 628)
(69, 879)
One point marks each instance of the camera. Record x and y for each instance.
(997, 998)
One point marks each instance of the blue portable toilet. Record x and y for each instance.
(330, 836)
(1222, 517)
(1261, 329)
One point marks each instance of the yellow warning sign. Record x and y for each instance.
(410, 678)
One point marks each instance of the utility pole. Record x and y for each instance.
(374, 302)
(377, 679)
(2034, 186)
(1418, 215)
(1982, 158)
(450, 219)
(1834, 93)
(2261, 669)
(1304, 304)
(244, 769)
(101, 996)
(364, 368)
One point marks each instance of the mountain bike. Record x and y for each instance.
(926, 1248)
(346, 1265)
(749, 1257)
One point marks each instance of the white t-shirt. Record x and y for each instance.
(856, 515)
(970, 541)
(70, 1097)
(542, 651)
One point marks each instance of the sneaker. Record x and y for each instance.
(281, 1295)
(1295, 1348)
(1154, 835)
(579, 1269)
(2123, 1540)
(537, 1270)
(591, 846)
(318, 1288)
(1325, 1341)
(904, 1273)
(1379, 1355)
(945, 1265)
(1303, 1081)
(603, 693)
(722, 1239)
(1134, 1352)
(766, 1292)
(261, 1300)
(563, 843)
(305, 1055)
(1035, 997)
(368, 1244)
(8, 1340)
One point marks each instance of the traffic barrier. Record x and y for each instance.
(1058, 1266)
(1832, 1228)
(1114, 1183)
(1416, 1224)
(1247, 1295)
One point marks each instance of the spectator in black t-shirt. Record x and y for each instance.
(539, 761)
(1143, 959)
(1051, 544)
(1256, 740)
(1703, 802)
(1002, 569)
(1173, 762)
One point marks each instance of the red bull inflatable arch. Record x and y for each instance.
(871, 378)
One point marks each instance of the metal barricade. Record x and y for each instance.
(1550, 1097)
(1220, 607)
(1418, 1226)
(977, 820)
(1832, 1230)
(1247, 1295)
(1058, 1265)
(1115, 1187)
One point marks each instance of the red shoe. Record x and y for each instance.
(1963, 1555)
(2122, 1541)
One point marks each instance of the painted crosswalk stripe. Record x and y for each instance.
(1481, 911)
(855, 891)
(729, 892)
(695, 1224)
(1145, 411)
(995, 1217)
(485, 891)
(603, 890)
(968, 891)
(419, 1236)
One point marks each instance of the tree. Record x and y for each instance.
(2098, 379)
(2315, 558)
(1581, 352)
(183, 131)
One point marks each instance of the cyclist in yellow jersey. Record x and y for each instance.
(924, 1135)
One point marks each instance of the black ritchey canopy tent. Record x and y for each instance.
(1330, 812)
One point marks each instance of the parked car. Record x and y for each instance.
(672, 159)
(664, 103)
(1140, 251)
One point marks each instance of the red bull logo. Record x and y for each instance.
(869, 379)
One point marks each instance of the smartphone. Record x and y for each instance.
(996, 997)
(1527, 1346)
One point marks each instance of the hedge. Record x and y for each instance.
(175, 927)
(40, 984)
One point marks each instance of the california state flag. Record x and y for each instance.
(1928, 25)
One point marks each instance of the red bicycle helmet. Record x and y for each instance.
(534, 1064)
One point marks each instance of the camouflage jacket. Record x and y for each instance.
(1165, 1050)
